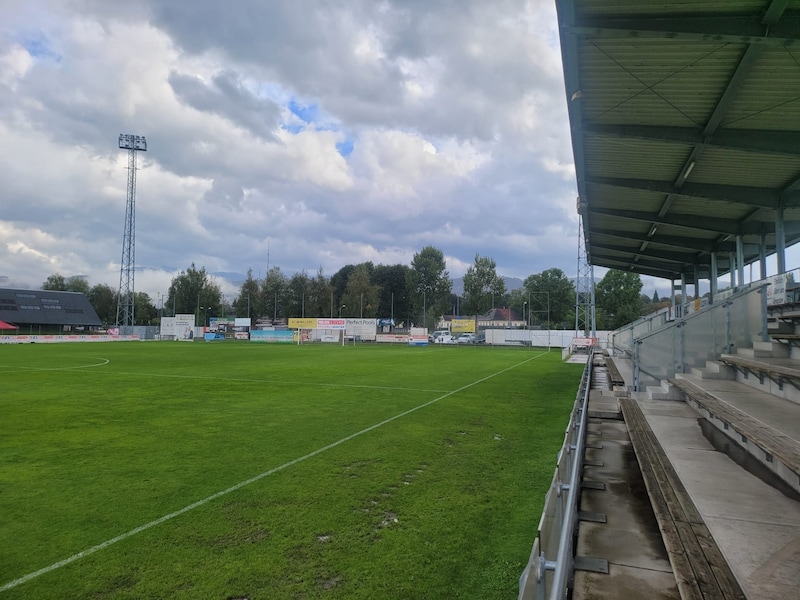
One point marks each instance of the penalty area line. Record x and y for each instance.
(103, 362)
(233, 488)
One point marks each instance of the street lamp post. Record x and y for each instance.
(524, 306)
(424, 310)
(340, 316)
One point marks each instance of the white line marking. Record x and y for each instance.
(233, 488)
(103, 362)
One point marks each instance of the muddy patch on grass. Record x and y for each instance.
(328, 583)
(252, 536)
(388, 519)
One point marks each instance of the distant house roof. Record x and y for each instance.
(40, 307)
(500, 314)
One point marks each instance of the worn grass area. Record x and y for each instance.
(386, 472)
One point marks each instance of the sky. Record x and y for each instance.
(293, 133)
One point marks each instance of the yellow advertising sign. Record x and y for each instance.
(295, 323)
(462, 326)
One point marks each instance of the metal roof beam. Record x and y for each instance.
(728, 226)
(751, 196)
(678, 257)
(713, 28)
(648, 267)
(672, 240)
(748, 140)
(774, 12)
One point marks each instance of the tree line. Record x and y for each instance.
(418, 294)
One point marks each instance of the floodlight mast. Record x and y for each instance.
(584, 289)
(125, 299)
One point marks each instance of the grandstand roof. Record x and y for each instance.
(40, 307)
(685, 116)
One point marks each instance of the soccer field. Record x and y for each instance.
(240, 470)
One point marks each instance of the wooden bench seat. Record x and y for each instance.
(775, 368)
(779, 445)
(701, 571)
(613, 372)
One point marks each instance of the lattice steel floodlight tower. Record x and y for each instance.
(584, 286)
(125, 300)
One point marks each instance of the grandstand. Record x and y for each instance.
(46, 312)
(684, 118)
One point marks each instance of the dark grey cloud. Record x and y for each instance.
(227, 97)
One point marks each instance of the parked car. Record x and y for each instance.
(466, 338)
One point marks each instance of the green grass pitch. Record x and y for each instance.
(241, 470)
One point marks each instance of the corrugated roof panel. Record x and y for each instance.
(653, 81)
(770, 97)
(607, 196)
(629, 7)
(661, 95)
(700, 207)
(634, 158)
(747, 169)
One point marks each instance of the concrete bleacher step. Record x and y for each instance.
(778, 376)
(700, 569)
(742, 418)
(664, 391)
(714, 369)
(780, 327)
(771, 349)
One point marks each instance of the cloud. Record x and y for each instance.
(331, 133)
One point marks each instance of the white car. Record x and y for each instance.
(466, 338)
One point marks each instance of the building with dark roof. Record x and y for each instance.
(44, 309)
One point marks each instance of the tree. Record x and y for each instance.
(104, 301)
(320, 296)
(273, 294)
(248, 293)
(429, 285)
(55, 282)
(144, 311)
(656, 299)
(393, 283)
(481, 282)
(296, 292)
(191, 290)
(551, 297)
(617, 299)
(361, 297)
(339, 284)
(58, 283)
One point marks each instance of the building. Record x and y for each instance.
(39, 311)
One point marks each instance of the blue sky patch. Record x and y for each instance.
(307, 113)
(293, 128)
(345, 147)
(38, 46)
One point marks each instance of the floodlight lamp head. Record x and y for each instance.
(128, 141)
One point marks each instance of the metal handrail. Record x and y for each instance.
(533, 583)
(565, 564)
(682, 325)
